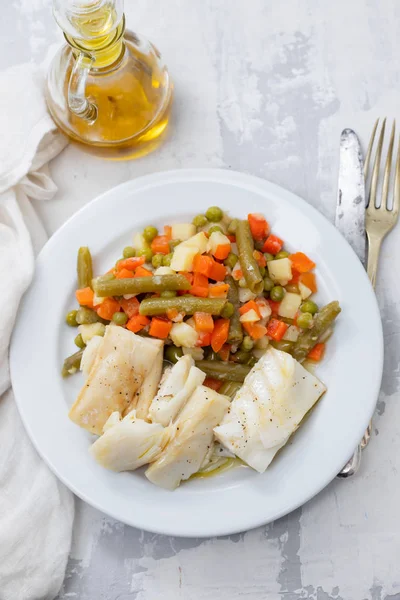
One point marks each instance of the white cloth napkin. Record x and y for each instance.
(36, 510)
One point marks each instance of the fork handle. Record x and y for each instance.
(374, 249)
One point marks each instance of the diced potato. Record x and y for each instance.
(183, 335)
(264, 308)
(195, 353)
(262, 343)
(89, 331)
(249, 317)
(280, 270)
(182, 258)
(291, 333)
(182, 231)
(139, 243)
(164, 271)
(198, 241)
(98, 300)
(289, 305)
(112, 420)
(217, 239)
(305, 292)
(245, 295)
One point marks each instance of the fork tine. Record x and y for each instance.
(375, 170)
(371, 143)
(396, 195)
(388, 166)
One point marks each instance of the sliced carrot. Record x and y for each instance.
(220, 334)
(214, 384)
(107, 308)
(85, 297)
(255, 330)
(143, 272)
(218, 271)
(309, 280)
(274, 306)
(124, 274)
(276, 329)
(204, 339)
(160, 245)
(225, 352)
(168, 232)
(172, 313)
(137, 322)
(317, 353)
(160, 328)
(258, 226)
(273, 244)
(130, 263)
(202, 264)
(130, 307)
(222, 251)
(204, 322)
(301, 263)
(199, 286)
(260, 258)
(189, 277)
(251, 305)
(218, 291)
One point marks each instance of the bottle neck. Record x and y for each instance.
(104, 50)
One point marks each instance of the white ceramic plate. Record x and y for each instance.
(238, 499)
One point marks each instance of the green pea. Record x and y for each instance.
(174, 243)
(268, 256)
(147, 253)
(227, 311)
(242, 283)
(292, 288)
(262, 271)
(78, 341)
(172, 353)
(120, 318)
(305, 320)
(277, 293)
(281, 254)
(252, 361)
(156, 261)
(309, 307)
(70, 318)
(128, 252)
(268, 284)
(200, 221)
(215, 228)
(214, 214)
(231, 260)
(85, 316)
(149, 233)
(232, 226)
(166, 261)
(168, 294)
(247, 344)
(283, 345)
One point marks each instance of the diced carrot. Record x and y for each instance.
(160, 328)
(220, 334)
(137, 322)
(249, 306)
(273, 244)
(255, 330)
(258, 226)
(189, 277)
(107, 308)
(143, 272)
(168, 232)
(204, 322)
(202, 264)
(301, 263)
(218, 291)
(274, 306)
(237, 274)
(160, 245)
(130, 263)
(130, 307)
(317, 353)
(260, 258)
(199, 286)
(204, 339)
(214, 384)
(276, 329)
(224, 352)
(124, 274)
(232, 238)
(222, 251)
(295, 278)
(309, 280)
(85, 297)
(218, 271)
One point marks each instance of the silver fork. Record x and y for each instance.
(379, 221)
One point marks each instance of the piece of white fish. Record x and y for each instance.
(186, 451)
(129, 444)
(275, 396)
(176, 387)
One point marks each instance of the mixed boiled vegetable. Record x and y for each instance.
(219, 289)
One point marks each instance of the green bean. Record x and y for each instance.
(200, 220)
(209, 354)
(309, 307)
(322, 321)
(120, 318)
(147, 253)
(247, 344)
(268, 284)
(70, 318)
(172, 353)
(277, 293)
(84, 316)
(263, 271)
(149, 233)
(268, 256)
(168, 294)
(305, 320)
(140, 285)
(231, 260)
(229, 388)
(249, 265)
(186, 304)
(166, 261)
(72, 363)
(223, 371)
(292, 288)
(128, 252)
(283, 345)
(232, 226)
(157, 260)
(281, 254)
(105, 277)
(242, 357)
(235, 335)
(214, 213)
(228, 311)
(84, 267)
(78, 341)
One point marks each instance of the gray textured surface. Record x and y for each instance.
(263, 87)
